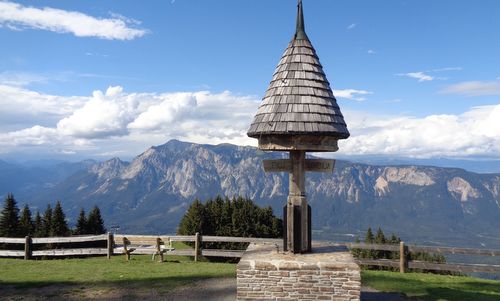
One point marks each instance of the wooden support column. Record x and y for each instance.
(297, 227)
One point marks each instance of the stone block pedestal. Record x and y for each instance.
(327, 273)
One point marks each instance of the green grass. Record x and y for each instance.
(433, 287)
(102, 275)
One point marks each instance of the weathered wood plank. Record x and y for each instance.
(7, 253)
(320, 165)
(183, 238)
(8, 240)
(208, 238)
(222, 253)
(378, 247)
(182, 252)
(451, 250)
(379, 262)
(70, 252)
(69, 239)
(277, 165)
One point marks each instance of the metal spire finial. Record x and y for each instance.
(300, 33)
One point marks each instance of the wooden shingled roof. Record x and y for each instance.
(299, 100)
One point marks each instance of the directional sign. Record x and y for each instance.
(278, 165)
(320, 165)
(285, 165)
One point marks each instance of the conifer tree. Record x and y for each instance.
(194, 219)
(47, 222)
(95, 224)
(369, 239)
(81, 224)
(9, 219)
(59, 227)
(38, 223)
(26, 225)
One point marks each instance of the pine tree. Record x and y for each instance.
(194, 219)
(47, 222)
(38, 223)
(369, 239)
(9, 219)
(26, 225)
(59, 226)
(95, 224)
(81, 224)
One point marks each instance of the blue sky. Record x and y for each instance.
(110, 78)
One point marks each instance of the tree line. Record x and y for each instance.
(230, 217)
(380, 238)
(20, 223)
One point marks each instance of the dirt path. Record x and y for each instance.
(217, 289)
(225, 289)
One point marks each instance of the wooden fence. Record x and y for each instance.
(29, 244)
(404, 263)
(148, 244)
(129, 245)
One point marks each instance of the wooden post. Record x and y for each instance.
(27, 248)
(158, 249)
(197, 246)
(402, 257)
(110, 244)
(125, 249)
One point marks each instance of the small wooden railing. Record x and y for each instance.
(143, 244)
(404, 250)
(29, 244)
(111, 245)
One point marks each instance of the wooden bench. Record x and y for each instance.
(145, 245)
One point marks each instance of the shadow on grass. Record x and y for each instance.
(434, 287)
(451, 294)
(140, 289)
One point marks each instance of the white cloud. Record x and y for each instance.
(473, 133)
(474, 88)
(351, 94)
(114, 121)
(421, 76)
(371, 51)
(117, 117)
(14, 15)
(351, 26)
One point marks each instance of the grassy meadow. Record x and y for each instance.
(431, 287)
(101, 277)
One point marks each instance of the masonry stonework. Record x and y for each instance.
(328, 273)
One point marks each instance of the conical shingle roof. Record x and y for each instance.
(299, 100)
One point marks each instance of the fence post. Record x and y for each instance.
(111, 244)
(27, 248)
(402, 257)
(197, 246)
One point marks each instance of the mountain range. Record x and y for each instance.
(422, 204)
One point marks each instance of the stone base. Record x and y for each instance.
(328, 273)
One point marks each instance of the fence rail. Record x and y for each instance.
(162, 244)
(404, 263)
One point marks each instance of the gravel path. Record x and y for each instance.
(224, 289)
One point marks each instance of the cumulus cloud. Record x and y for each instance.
(473, 133)
(351, 94)
(111, 115)
(474, 88)
(16, 16)
(114, 121)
